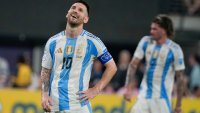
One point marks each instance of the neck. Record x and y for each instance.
(162, 40)
(73, 32)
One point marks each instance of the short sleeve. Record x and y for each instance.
(178, 59)
(103, 54)
(141, 48)
(47, 59)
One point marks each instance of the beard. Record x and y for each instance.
(74, 22)
(158, 37)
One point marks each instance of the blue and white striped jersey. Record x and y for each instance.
(161, 63)
(71, 61)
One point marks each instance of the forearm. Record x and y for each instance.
(180, 88)
(106, 77)
(45, 77)
(130, 75)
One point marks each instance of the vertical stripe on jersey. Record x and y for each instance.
(91, 49)
(163, 91)
(89, 107)
(52, 50)
(150, 72)
(145, 46)
(64, 77)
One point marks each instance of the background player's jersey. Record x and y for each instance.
(161, 63)
(71, 61)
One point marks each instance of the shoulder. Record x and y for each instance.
(146, 39)
(91, 36)
(175, 47)
(53, 39)
(96, 41)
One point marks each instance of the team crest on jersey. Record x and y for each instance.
(79, 51)
(155, 54)
(162, 55)
(149, 52)
(69, 50)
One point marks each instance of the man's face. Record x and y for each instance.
(156, 31)
(77, 14)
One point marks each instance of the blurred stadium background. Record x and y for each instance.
(26, 25)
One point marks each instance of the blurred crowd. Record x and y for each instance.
(192, 7)
(24, 78)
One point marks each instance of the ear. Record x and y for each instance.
(67, 14)
(86, 19)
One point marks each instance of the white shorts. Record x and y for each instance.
(152, 106)
(85, 109)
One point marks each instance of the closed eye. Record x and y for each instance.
(80, 9)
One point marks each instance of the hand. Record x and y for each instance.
(128, 94)
(46, 102)
(87, 94)
(177, 110)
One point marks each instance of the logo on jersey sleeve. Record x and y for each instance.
(105, 57)
(69, 50)
(180, 61)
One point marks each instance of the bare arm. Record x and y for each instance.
(132, 68)
(46, 100)
(45, 77)
(180, 90)
(130, 78)
(107, 75)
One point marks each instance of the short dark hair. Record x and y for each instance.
(85, 4)
(166, 23)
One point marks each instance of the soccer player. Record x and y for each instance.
(67, 64)
(164, 60)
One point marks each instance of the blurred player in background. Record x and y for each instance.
(67, 64)
(164, 60)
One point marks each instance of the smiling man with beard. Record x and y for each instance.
(67, 63)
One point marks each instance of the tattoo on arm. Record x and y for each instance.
(180, 87)
(45, 77)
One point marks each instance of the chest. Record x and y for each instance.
(159, 55)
